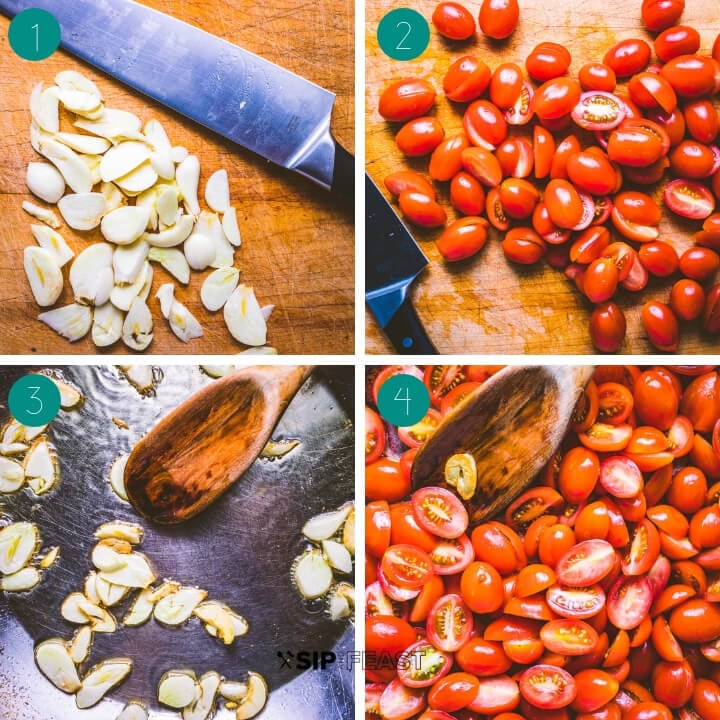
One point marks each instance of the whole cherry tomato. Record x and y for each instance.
(466, 79)
(384, 481)
(408, 180)
(484, 124)
(701, 119)
(677, 40)
(607, 327)
(453, 20)
(691, 76)
(628, 57)
(518, 197)
(467, 194)
(523, 245)
(692, 159)
(687, 299)
(699, 263)
(420, 136)
(406, 99)
(597, 76)
(505, 85)
(499, 18)
(463, 238)
(661, 14)
(446, 160)
(421, 210)
(547, 60)
(563, 203)
(556, 98)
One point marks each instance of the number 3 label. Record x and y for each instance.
(403, 34)
(34, 400)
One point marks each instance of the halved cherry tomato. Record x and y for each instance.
(481, 587)
(450, 623)
(453, 20)
(482, 165)
(534, 578)
(422, 665)
(592, 522)
(530, 505)
(415, 435)
(407, 566)
(484, 124)
(496, 695)
(598, 110)
(702, 120)
(404, 529)
(628, 601)
(643, 551)
(586, 563)
(429, 594)
(602, 437)
(498, 18)
(406, 99)
(569, 637)
(451, 556)
(579, 603)
(439, 512)
(548, 687)
(595, 688)
(457, 395)
(650, 90)
(374, 436)
(399, 702)
(453, 692)
(515, 156)
(500, 546)
(621, 477)
(554, 542)
(523, 245)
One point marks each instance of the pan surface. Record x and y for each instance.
(240, 550)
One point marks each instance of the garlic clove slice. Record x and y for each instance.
(55, 663)
(43, 274)
(218, 287)
(161, 150)
(45, 181)
(243, 317)
(82, 211)
(78, 609)
(117, 476)
(52, 241)
(101, 679)
(218, 616)
(312, 574)
(136, 573)
(199, 251)
(128, 261)
(178, 688)
(20, 581)
(324, 526)
(167, 205)
(109, 593)
(217, 371)
(104, 557)
(115, 125)
(41, 467)
(80, 102)
(124, 225)
(44, 108)
(337, 555)
(91, 274)
(133, 710)
(121, 530)
(87, 144)
(90, 587)
(121, 296)
(203, 706)
(72, 167)
(230, 227)
(79, 646)
(174, 235)
(70, 397)
(12, 475)
(42, 214)
(183, 323)
(73, 80)
(166, 295)
(141, 609)
(233, 690)
(176, 608)
(122, 159)
(50, 557)
(107, 324)
(114, 198)
(71, 321)
(217, 191)
(173, 260)
(341, 601)
(348, 535)
(187, 175)
(139, 180)
(255, 699)
(137, 328)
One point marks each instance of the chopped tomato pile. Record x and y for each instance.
(595, 595)
(566, 167)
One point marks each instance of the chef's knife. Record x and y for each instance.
(231, 91)
(392, 262)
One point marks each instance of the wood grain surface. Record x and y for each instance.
(485, 304)
(297, 247)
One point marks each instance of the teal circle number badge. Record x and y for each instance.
(34, 400)
(403, 400)
(403, 34)
(34, 34)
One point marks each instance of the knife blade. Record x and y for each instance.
(393, 261)
(245, 98)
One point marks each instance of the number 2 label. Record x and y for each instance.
(403, 34)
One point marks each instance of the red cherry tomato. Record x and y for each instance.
(499, 18)
(481, 587)
(556, 98)
(692, 159)
(453, 20)
(384, 481)
(386, 634)
(399, 702)
(547, 60)
(598, 110)
(484, 124)
(422, 665)
(691, 76)
(406, 99)
(408, 180)
(659, 258)
(547, 687)
(415, 435)
(661, 325)
(607, 327)
(576, 602)
(505, 85)
(482, 165)
(419, 136)
(518, 197)
(421, 209)
(595, 688)
(676, 40)
(446, 160)
(628, 57)
(515, 156)
(586, 563)
(453, 692)
(466, 79)
(661, 14)
(628, 601)
(569, 637)
(496, 695)
(407, 566)
(450, 623)
(523, 245)
(467, 194)
(439, 512)
(597, 76)
(702, 121)
(463, 238)
(374, 436)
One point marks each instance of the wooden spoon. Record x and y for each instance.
(203, 446)
(511, 425)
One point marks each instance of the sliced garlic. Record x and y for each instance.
(101, 679)
(110, 594)
(78, 609)
(341, 601)
(20, 581)
(174, 235)
(324, 526)
(141, 609)
(179, 153)
(12, 475)
(115, 125)
(199, 251)
(117, 476)
(230, 227)
(44, 108)
(137, 328)
(12, 448)
(178, 688)
(136, 573)
(183, 323)
(73, 80)
(80, 102)
(91, 274)
(70, 397)
(43, 274)
(139, 180)
(255, 699)
(218, 287)
(82, 211)
(187, 175)
(134, 710)
(71, 321)
(161, 153)
(52, 241)
(79, 646)
(90, 588)
(55, 663)
(166, 295)
(243, 317)
(107, 324)
(114, 198)
(219, 613)
(105, 557)
(278, 448)
(208, 225)
(337, 555)
(42, 214)
(121, 296)
(41, 467)
(348, 536)
(312, 574)
(461, 474)
(176, 608)
(141, 377)
(121, 530)
(124, 225)
(173, 260)
(128, 261)
(50, 557)
(122, 159)
(233, 690)
(71, 166)
(264, 350)
(167, 204)
(168, 587)
(44, 181)
(203, 706)
(87, 144)
(217, 371)
(93, 164)
(217, 191)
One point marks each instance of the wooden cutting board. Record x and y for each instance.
(486, 304)
(297, 247)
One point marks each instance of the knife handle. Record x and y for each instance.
(407, 333)
(343, 182)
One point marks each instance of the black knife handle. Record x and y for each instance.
(407, 333)
(343, 182)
